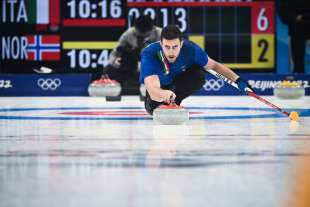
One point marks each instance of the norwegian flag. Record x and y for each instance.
(43, 48)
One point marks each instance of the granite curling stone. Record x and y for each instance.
(104, 88)
(289, 90)
(170, 115)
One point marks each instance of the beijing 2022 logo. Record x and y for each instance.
(49, 83)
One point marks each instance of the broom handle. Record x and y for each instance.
(250, 93)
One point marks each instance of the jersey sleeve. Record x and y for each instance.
(201, 57)
(149, 65)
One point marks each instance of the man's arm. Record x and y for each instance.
(243, 85)
(221, 69)
(152, 85)
(115, 55)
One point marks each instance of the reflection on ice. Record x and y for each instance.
(218, 162)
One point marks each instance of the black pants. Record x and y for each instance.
(299, 34)
(128, 70)
(184, 85)
(129, 65)
(122, 74)
(127, 75)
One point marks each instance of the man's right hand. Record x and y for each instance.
(168, 96)
(152, 85)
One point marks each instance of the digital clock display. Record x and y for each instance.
(104, 22)
(86, 59)
(94, 13)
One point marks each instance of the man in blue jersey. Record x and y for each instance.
(173, 69)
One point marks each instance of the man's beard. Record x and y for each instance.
(171, 59)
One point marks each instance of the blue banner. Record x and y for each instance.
(44, 85)
(77, 84)
(263, 84)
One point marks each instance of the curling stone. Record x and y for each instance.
(289, 90)
(170, 114)
(108, 88)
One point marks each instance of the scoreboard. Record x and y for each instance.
(239, 34)
(77, 36)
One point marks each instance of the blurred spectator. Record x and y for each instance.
(124, 60)
(296, 15)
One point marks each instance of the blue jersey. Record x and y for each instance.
(152, 61)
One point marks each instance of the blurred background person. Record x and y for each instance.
(296, 15)
(124, 60)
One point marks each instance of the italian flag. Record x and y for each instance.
(44, 11)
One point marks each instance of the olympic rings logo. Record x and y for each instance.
(213, 85)
(49, 84)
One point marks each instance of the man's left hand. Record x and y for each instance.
(244, 86)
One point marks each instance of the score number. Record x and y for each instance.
(179, 13)
(263, 37)
(262, 25)
(104, 9)
(88, 59)
(262, 22)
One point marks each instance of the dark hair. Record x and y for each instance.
(144, 23)
(171, 32)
